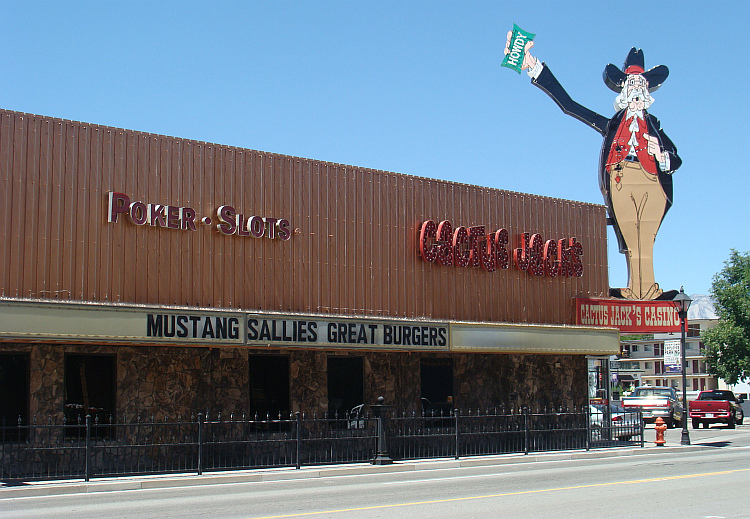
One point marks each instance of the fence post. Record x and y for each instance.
(200, 444)
(299, 437)
(456, 413)
(525, 430)
(88, 447)
(640, 419)
(588, 427)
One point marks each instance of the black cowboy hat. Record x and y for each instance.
(614, 78)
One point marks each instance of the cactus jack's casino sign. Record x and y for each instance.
(629, 316)
(473, 247)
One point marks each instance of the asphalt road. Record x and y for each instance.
(708, 482)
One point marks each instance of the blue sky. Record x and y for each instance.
(413, 87)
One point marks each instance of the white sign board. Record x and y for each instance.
(672, 356)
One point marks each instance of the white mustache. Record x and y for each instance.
(639, 92)
(623, 100)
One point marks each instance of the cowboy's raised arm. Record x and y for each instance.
(542, 77)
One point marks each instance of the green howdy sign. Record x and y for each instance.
(517, 48)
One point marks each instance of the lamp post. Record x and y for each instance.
(682, 300)
(381, 458)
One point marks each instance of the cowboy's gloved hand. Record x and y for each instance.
(654, 148)
(529, 61)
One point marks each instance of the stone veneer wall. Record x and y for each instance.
(395, 377)
(182, 381)
(537, 381)
(308, 380)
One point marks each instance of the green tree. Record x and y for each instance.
(728, 343)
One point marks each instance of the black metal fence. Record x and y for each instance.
(94, 448)
(500, 431)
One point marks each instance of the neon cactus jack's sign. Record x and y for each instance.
(465, 247)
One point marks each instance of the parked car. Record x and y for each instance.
(623, 424)
(716, 406)
(655, 402)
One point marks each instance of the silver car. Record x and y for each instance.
(622, 424)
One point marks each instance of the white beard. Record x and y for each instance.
(623, 100)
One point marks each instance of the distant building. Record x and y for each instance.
(642, 359)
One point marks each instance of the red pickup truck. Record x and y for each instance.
(716, 406)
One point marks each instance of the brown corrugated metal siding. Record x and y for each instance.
(353, 250)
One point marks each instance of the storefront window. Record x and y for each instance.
(269, 387)
(14, 388)
(89, 387)
(598, 377)
(345, 384)
(89, 390)
(437, 386)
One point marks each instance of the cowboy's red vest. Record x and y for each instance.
(620, 147)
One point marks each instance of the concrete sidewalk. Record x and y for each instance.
(110, 484)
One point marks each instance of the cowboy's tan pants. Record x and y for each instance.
(638, 201)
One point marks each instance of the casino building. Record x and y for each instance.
(149, 275)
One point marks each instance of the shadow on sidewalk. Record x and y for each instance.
(714, 444)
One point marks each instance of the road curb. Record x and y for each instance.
(57, 487)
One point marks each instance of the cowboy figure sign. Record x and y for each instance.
(636, 162)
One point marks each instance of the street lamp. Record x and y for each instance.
(682, 300)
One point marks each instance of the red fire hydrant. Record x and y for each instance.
(660, 427)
